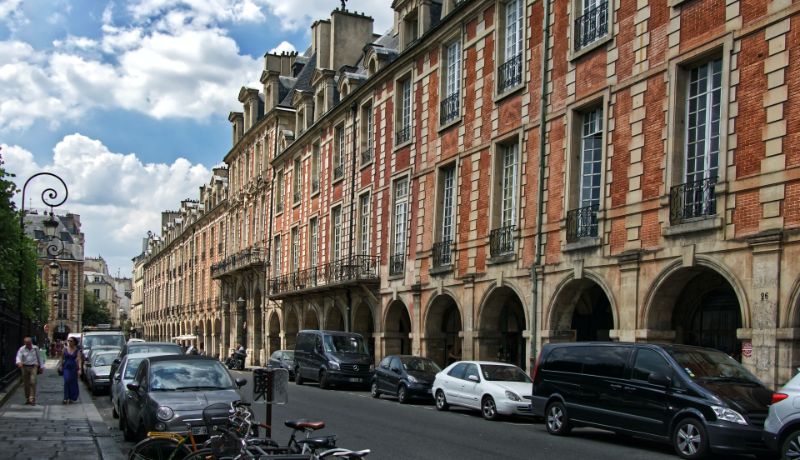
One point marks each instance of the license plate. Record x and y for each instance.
(199, 430)
(355, 379)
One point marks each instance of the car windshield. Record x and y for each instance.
(104, 359)
(114, 340)
(163, 348)
(344, 344)
(420, 365)
(711, 365)
(203, 374)
(500, 373)
(133, 365)
(288, 355)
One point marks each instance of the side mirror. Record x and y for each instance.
(240, 382)
(659, 379)
(473, 378)
(117, 360)
(133, 386)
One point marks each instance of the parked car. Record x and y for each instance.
(700, 400)
(331, 357)
(782, 427)
(162, 348)
(491, 387)
(282, 359)
(134, 340)
(99, 370)
(101, 338)
(404, 376)
(86, 362)
(170, 392)
(122, 377)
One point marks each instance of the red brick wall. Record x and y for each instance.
(791, 143)
(653, 179)
(622, 138)
(747, 213)
(701, 21)
(752, 116)
(627, 33)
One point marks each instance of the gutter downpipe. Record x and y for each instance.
(540, 184)
(349, 316)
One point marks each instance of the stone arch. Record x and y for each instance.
(397, 329)
(791, 316)
(274, 332)
(291, 327)
(363, 324)
(334, 319)
(444, 330)
(501, 327)
(582, 309)
(311, 317)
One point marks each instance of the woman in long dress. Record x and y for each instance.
(71, 366)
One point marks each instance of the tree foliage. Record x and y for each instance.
(95, 311)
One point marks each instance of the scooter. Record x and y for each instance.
(236, 360)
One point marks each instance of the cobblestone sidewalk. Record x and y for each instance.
(51, 430)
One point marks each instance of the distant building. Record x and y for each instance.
(100, 283)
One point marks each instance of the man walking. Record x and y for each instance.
(30, 363)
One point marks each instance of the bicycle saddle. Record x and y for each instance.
(304, 424)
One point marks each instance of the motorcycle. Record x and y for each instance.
(236, 360)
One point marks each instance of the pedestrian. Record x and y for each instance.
(70, 365)
(30, 362)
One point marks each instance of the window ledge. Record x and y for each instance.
(396, 277)
(674, 3)
(583, 243)
(507, 92)
(444, 269)
(364, 165)
(404, 144)
(296, 204)
(573, 55)
(453, 122)
(501, 259)
(314, 194)
(336, 180)
(694, 226)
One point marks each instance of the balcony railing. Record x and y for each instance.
(449, 108)
(442, 253)
(397, 263)
(343, 271)
(366, 155)
(248, 258)
(338, 171)
(509, 74)
(582, 223)
(501, 241)
(592, 25)
(403, 135)
(692, 200)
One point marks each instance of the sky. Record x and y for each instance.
(128, 101)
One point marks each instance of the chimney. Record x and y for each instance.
(350, 31)
(321, 43)
(237, 123)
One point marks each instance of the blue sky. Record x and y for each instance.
(128, 100)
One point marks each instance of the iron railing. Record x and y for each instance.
(366, 155)
(582, 223)
(354, 269)
(338, 171)
(592, 25)
(692, 200)
(247, 258)
(403, 135)
(501, 240)
(397, 263)
(449, 108)
(509, 74)
(442, 253)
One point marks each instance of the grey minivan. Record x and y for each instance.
(331, 357)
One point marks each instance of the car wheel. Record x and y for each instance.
(373, 389)
(557, 421)
(790, 450)
(141, 433)
(489, 408)
(402, 394)
(323, 380)
(689, 439)
(298, 379)
(441, 401)
(127, 433)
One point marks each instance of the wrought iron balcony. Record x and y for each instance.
(245, 259)
(501, 241)
(397, 263)
(582, 223)
(354, 270)
(509, 74)
(692, 200)
(403, 135)
(592, 25)
(366, 155)
(442, 253)
(338, 171)
(449, 108)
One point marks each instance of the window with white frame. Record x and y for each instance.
(591, 157)
(508, 208)
(277, 260)
(506, 167)
(279, 192)
(450, 104)
(313, 241)
(446, 216)
(295, 249)
(400, 234)
(364, 221)
(336, 233)
(63, 278)
(403, 114)
(338, 153)
(367, 134)
(315, 168)
(297, 177)
(591, 23)
(510, 71)
(63, 303)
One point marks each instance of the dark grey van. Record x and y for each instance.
(331, 357)
(698, 399)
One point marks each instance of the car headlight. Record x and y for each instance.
(412, 379)
(512, 396)
(334, 365)
(729, 415)
(164, 413)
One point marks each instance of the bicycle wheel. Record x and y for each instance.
(201, 454)
(159, 449)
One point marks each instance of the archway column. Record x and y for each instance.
(764, 322)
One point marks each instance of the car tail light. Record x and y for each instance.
(778, 397)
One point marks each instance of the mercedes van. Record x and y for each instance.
(332, 357)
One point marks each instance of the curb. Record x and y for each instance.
(12, 387)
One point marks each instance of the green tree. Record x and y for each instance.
(95, 311)
(17, 252)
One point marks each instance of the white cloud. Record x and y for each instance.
(299, 14)
(198, 13)
(283, 47)
(8, 7)
(117, 196)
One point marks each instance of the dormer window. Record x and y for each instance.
(410, 29)
(320, 103)
(300, 121)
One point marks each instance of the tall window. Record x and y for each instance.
(510, 72)
(449, 109)
(315, 168)
(63, 278)
(591, 157)
(279, 192)
(508, 205)
(403, 116)
(703, 121)
(592, 24)
(513, 42)
(363, 243)
(400, 216)
(313, 240)
(296, 180)
(367, 134)
(295, 250)
(63, 305)
(277, 260)
(336, 232)
(448, 175)
(338, 154)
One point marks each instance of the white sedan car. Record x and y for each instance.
(493, 388)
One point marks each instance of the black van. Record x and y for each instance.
(698, 399)
(331, 357)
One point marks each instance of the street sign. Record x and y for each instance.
(270, 386)
(747, 349)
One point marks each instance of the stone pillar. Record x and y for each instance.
(765, 299)
(416, 321)
(627, 308)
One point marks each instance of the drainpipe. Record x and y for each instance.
(540, 184)
(353, 110)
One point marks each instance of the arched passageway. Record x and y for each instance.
(363, 324)
(291, 327)
(502, 322)
(581, 312)
(443, 330)
(397, 328)
(274, 333)
(334, 320)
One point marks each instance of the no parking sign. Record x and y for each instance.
(747, 349)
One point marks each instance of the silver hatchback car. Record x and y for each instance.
(782, 427)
